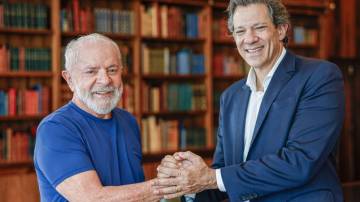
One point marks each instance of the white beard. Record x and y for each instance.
(100, 106)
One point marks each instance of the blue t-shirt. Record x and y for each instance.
(70, 141)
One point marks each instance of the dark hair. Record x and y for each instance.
(277, 12)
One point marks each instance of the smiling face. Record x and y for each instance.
(257, 39)
(95, 78)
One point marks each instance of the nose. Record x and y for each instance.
(250, 37)
(103, 77)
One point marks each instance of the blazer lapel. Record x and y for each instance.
(243, 100)
(282, 75)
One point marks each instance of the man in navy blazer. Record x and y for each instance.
(278, 128)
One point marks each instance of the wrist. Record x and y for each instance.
(211, 181)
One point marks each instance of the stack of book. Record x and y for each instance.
(174, 97)
(171, 135)
(23, 15)
(24, 59)
(34, 101)
(163, 61)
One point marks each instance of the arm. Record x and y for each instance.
(86, 186)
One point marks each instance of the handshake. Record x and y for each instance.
(183, 173)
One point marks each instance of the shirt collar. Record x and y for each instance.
(251, 79)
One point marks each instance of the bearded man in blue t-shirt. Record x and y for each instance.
(89, 150)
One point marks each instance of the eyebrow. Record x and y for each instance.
(254, 25)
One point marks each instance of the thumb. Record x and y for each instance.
(193, 158)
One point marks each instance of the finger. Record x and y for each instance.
(178, 156)
(186, 163)
(168, 171)
(169, 164)
(158, 182)
(169, 158)
(162, 175)
(193, 158)
(170, 196)
(168, 190)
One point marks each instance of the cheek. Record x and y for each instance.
(117, 81)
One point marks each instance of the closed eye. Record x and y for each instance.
(260, 28)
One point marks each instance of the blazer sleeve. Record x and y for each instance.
(313, 135)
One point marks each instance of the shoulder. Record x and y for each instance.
(63, 121)
(124, 115)
(61, 115)
(319, 66)
(234, 88)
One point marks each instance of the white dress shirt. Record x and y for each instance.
(252, 111)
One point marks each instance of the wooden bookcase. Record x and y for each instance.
(309, 18)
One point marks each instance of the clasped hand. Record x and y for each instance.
(183, 173)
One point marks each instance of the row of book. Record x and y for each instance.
(34, 101)
(101, 20)
(164, 61)
(229, 64)
(303, 35)
(24, 59)
(114, 21)
(174, 97)
(24, 15)
(174, 22)
(16, 146)
(74, 19)
(219, 29)
(171, 135)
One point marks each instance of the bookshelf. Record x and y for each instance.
(155, 37)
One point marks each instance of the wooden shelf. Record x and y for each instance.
(228, 77)
(175, 113)
(312, 4)
(172, 40)
(16, 164)
(156, 157)
(303, 46)
(24, 31)
(172, 77)
(33, 74)
(111, 35)
(227, 42)
(178, 2)
(21, 117)
(220, 5)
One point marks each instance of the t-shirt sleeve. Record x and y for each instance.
(60, 152)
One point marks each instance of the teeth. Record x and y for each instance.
(102, 92)
(253, 50)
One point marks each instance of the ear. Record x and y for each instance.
(282, 30)
(67, 76)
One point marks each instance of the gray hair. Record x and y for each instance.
(73, 47)
(277, 12)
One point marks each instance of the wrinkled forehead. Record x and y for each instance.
(98, 51)
(250, 14)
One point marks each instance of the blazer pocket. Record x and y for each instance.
(314, 196)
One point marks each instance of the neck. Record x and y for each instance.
(262, 72)
(83, 106)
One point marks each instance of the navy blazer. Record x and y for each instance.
(292, 153)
